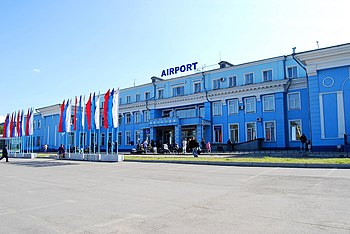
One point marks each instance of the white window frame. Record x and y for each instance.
(245, 78)
(146, 116)
(262, 74)
(229, 131)
(246, 106)
(290, 130)
(222, 133)
(128, 99)
(175, 87)
(137, 117)
(274, 130)
(137, 133)
(160, 91)
(235, 110)
(297, 72)
(299, 103)
(149, 94)
(218, 82)
(126, 138)
(220, 109)
(233, 78)
(127, 120)
(138, 97)
(246, 130)
(273, 103)
(194, 86)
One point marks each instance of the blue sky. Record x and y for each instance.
(54, 50)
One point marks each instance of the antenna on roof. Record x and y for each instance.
(220, 56)
(318, 46)
(134, 82)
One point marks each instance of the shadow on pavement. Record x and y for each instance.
(42, 164)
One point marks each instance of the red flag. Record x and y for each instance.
(61, 117)
(18, 124)
(88, 112)
(27, 123)
(11, 125)
(75, 114)
(5, 126)
(105, 110)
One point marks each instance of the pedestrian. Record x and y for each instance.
(5, 153)
(229, 145)
(184, 146)
(45, 148)
(203, 145)
(208, 147)
(61, 151)
(194, 145)
(303, 141)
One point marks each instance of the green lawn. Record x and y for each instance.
(248, 159)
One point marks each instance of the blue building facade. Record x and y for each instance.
(274, 100)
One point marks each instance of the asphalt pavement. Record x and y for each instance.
(54, 196)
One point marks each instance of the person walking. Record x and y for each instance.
(5, 153)
(229, 145)
(61, 151)
(303, 141)
(184, 146)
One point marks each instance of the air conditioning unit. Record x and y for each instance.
(259, 119)
(241, 107)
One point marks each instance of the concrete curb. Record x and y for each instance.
(250, 164)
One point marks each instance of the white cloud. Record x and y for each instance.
(37, 70)
(2, 119)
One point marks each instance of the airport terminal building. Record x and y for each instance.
(265, 104)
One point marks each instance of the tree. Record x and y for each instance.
(1, 129)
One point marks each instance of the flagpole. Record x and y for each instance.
(107, 136)
(99, 140)
(112, 142)
(117, 141)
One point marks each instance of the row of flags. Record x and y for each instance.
(90, 112)
(16, 126)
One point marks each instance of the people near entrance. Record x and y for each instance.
(145, 145)
(45, 148)
(229, 145)
(208, 147)
(303, 141)
(184, 146)
(194, 145)
(61, 151)
(5, 153)
(203, 145)
(154, 146)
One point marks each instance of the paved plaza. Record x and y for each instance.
(51, 196)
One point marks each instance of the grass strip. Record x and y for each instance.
(245, 159)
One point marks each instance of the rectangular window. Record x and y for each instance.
(267, 75)
(216, 84)
(217, 108)
(232, 81)
(127, 137)
(197, 87)
(233, 107)
(128, 99)
(120, 118)
(250, 106)
(178, 91)
(34, 124)
(292, 72)
(251, 131)
(128, 118)
(269, 103)
(137, 117)
(249, 78)
(39, 122)
(147, 95)
(201, 112)
(160, 93)
(270, 131)
(137, 137)
(138, 97)
(38, 143)
(217, 134)
(119, 138)
(146, 116)
(103, 139)
(234, 134)
(295, 130)
(294, 101)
